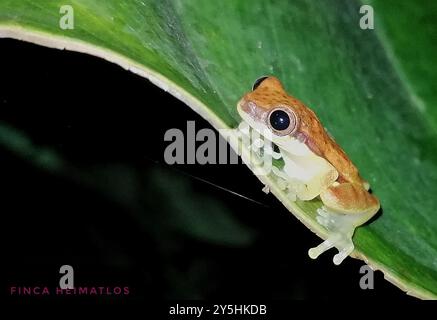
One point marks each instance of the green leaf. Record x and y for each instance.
(373, 89)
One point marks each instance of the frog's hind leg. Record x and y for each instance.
(350, 198)
(346, 206)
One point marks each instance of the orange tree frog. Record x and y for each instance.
(314, 164)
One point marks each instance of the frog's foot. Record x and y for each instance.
(343, 244)
(346, 206)
(341, 228)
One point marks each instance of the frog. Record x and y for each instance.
(315, 166)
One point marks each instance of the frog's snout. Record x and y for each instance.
(249, 108)
(246, 106)
(242, 108)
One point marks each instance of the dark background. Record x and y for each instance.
(83, 182)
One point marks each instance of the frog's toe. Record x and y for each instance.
(343, 253)
(323, 212)
(324, 246)
(282, 183)
(257, 144)
(291, 195)
(324, 221)
(269, 150)
(244, 128)
(342, 242)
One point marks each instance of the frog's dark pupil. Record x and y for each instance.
(279, 120)
(258, 82)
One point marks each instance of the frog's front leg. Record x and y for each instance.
(346, 206)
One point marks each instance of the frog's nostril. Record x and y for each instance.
(251, 107)
(246, 106)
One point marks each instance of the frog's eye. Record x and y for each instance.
(282, 121)
(258, 82)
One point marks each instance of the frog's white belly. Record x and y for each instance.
(308, 174)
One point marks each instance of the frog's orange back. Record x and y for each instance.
(322, 144)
